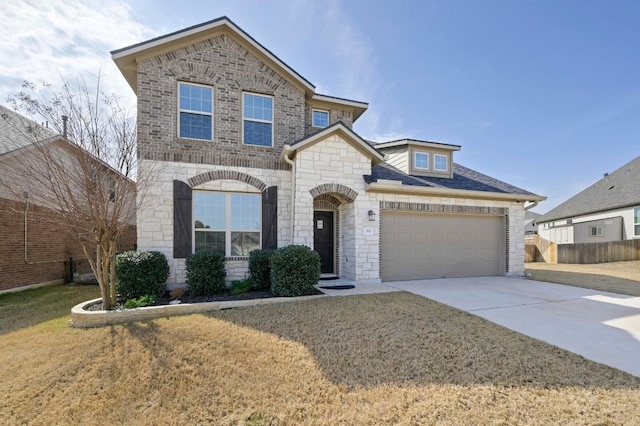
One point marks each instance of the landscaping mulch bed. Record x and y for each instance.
(222, 297)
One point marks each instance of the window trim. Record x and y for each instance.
(255, 120)
(313, 124)
(435, 163)
(415, 160)
(228, 230)
(634, 221)
(195, 112)
(599, 231)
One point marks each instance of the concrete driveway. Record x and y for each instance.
(603, 327)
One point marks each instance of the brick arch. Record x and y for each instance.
(344, 192)
(326, 201)
(226, 175)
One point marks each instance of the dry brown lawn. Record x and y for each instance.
(380, 359)
(616, 277)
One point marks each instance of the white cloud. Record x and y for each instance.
(47, 41)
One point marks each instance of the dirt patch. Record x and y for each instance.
(614, 277)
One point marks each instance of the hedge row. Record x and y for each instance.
(288, 271)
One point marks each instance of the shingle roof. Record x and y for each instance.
(617, 189)
(17, 131)
(463, 178)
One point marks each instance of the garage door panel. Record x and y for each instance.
(420, 245)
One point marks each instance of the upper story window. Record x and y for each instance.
(421, 160)
(196, 111)
(636, 222)
(257, 120)
(227, 222)
(319, 118)
(440, 162)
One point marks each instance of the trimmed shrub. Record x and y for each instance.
(241, 286)
(141, 273)
(295, 271)
(205, 273)
(260, 268)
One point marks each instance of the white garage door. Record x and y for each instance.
(422, 245)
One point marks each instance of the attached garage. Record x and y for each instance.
(424, 245)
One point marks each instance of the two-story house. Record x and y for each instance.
(248, 155)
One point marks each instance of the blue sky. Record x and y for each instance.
(542, 94)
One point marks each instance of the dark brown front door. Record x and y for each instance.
(323, 240)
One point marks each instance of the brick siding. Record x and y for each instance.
(48, 246)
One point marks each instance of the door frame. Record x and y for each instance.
(334, 237)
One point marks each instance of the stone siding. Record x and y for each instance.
(155, 221)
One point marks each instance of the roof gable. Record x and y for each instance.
(18, 132)
(345, 132)
(126, 58)
(615, 190)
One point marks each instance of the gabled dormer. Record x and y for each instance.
(420, 158)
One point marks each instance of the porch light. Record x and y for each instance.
(372, 216)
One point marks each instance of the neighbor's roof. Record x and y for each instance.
(17, 131)
(463, 179)
(618, 189)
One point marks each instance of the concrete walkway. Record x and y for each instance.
(603, 327)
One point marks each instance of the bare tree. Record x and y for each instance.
(83, 164)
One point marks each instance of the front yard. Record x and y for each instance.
(615, 277)
(377, 359)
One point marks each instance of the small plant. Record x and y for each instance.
(205, 273)
(295, 271)
(140, 302)
(141, 273)
(241, 286)
(260, 268)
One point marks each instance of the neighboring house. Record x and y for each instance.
(608, 210)
(531, 222)
(35, 247)
(250, 156)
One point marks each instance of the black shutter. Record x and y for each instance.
(181, 220)
(270, 218)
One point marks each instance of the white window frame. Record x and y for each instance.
(313, 124)
(636, 234)
(227, 230)
(195, 112)
(273, 112)
(599, 231)
(435, 162)
(415, 160)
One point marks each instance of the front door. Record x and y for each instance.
(323, 240)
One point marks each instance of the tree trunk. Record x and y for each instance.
(112, 270)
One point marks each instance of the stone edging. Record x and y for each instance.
(80, 318)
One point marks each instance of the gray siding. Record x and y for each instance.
(612, 231)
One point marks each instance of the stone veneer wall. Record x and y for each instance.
(155, 218)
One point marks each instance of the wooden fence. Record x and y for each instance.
(537, 249)
(540, 250)
(614, 251)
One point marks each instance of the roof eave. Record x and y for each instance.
(454, 193)
(390, 144)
